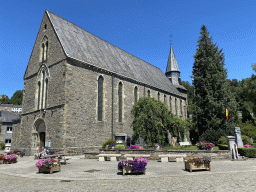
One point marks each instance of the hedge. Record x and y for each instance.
(223, 147)
(247, 152)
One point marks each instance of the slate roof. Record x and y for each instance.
(83, 46)
(172, 64)
(7, 116)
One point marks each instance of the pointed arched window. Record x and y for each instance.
(170, 100)
(44, 49)
(180, 107)
(42, 89)
(148, 93)
(176, 110)
(100, 98)
(164, 98)
(38, 97)
(120, 101)
(158, 96)
(135, 94)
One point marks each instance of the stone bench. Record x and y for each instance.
(132, 156)
(179, 157)
(113, 157)
(184, 143)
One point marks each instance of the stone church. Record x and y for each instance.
(79, 90)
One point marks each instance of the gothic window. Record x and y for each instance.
(164, 98)
(42, 89)
(120, 102)
(135, 94)
(170, 102)
(46, 90)
(100, 98)
(39, 91)
(148, 93)
(158, 96)
(176, 110)
(42, 103)
(44, 49)
(181, 107)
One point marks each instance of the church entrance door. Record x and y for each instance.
(39, 135)
(42, 140)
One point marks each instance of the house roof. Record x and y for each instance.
(83, 46)
(172, 64)
(7, 117)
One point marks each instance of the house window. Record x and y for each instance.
(164, 98)
(100, 98)
(148, 93)
(135, 94)
(8, 129)
(158, 96)
(8, 140)
(120, 102)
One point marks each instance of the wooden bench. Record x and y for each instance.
(184, 143)
(132, 156)
(113, 157)
(178, 157)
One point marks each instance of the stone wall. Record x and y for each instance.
(214, 155)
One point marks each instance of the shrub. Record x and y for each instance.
(106, 144)
(118, 146)
(204, 145)
(222, 140)
(2, 145)
(246, 140)
(223, 147)
(247, 152)
(248, 129)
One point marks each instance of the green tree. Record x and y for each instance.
(152, 121)
(211, 91)
(5, 99)
(190, 96)
(16, 99)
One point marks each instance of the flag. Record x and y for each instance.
(226, 114)
(226, 111)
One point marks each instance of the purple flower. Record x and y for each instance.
(10, 157)
(134, 147)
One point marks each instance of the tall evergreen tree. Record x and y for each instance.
(211, 91)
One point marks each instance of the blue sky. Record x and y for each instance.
(140, 27)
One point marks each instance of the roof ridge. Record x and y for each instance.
(100, 38)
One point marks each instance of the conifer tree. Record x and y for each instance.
(211, 91)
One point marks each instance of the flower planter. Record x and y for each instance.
(50, 170)
(128, 169)
(6, 161)
(192, 166)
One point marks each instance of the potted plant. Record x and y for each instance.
(205, 145)
(2, 158)
(196, 163)
(112, 145)
(8, 159)
(21, 154)
(48, 165)
(133, 166)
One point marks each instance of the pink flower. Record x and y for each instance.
(247, 145)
